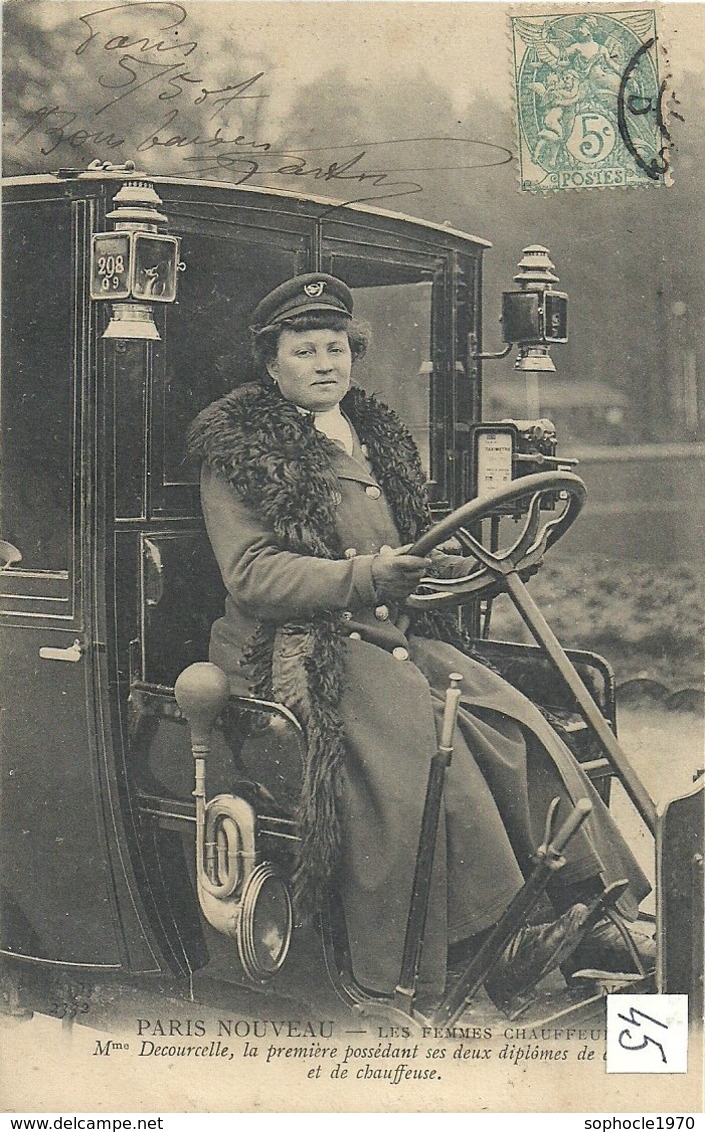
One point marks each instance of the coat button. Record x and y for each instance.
(355, 637)
(400, 653)
(373, 491)
(351, 552)
(346, 615)
(382, 613)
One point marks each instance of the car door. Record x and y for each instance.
(54, 869)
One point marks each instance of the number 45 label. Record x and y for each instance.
(647, 1033)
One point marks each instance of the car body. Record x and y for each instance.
(115, 589)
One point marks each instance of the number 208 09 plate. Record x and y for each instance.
(110, 266)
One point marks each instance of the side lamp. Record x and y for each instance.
(534, 316)
(135, 265)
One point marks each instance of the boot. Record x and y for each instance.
(531, 953)
(613, 945)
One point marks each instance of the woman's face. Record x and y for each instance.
(312, 367)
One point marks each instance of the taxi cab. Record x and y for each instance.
(124, 312)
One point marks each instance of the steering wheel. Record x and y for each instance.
(525, 554)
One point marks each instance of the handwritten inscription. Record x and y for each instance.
(636, 1036)
(174, 14)
(144, 51)
(60, 128)
(136, 57)
(647, 1033)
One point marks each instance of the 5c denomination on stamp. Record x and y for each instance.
(589, 100)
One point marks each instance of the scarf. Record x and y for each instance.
(281, 467)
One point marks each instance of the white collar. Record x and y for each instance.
(334, 425)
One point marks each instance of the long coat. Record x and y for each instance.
(508, 763)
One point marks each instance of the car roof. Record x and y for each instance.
(76, 176)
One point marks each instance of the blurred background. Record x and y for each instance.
(386, 80)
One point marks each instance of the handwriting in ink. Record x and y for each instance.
(153, 58)
(625, 1036)
(229, 93)
(160, 138)
(242, 158)
(138, 59)
(144, 44)
(139, 73)
(243, 166)
(59, 128)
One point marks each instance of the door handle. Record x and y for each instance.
(154, 573)
(9, 554)
(73, 653)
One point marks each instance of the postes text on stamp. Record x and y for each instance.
(589, 100)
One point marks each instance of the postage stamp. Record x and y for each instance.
(589, 100)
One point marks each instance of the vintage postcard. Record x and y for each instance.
(351, 558)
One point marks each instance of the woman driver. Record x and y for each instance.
(310, 490)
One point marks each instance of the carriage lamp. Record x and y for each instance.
(535, 316)
(135, 265)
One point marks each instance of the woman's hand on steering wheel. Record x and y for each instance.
(396, 573)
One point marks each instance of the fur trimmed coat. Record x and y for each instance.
(283, 468)
(295, 524)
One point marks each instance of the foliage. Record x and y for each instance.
(646, 618)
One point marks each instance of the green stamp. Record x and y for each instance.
(589, 100)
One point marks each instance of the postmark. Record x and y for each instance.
(589, 100)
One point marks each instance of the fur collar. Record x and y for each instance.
(281, 467)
